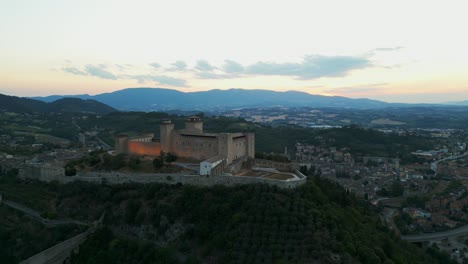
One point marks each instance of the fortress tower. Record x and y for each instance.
(166, 128)
(121, 144)
(194, 123)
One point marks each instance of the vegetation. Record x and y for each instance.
(21, 237)
(273, 157)
(245, 224)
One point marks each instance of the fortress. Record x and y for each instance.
(190, 142)
(225, 159)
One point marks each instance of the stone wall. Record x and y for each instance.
(41, 172)
(198, 180)
(195, 146)
(144, 148)
(239, 147)
(281, 166)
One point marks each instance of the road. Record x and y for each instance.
(437, 236)
(36, 215)
(436, 163)
(104, 144)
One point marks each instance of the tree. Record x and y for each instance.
(303, 169)
(118, 162)
(134, 163)
(158, 163)
(170, 157)
(70, 171)
(397, 189)
(106, 160)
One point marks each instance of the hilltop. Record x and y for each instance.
(25, 105)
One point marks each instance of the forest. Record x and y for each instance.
(156, 223)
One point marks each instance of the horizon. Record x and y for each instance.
(394, 52)
(164, 88)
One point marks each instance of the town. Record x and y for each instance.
(416, 191)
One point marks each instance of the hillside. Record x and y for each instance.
(79, 105)
(26, 105)
(166, 99)
(317, 223)
(20, 105)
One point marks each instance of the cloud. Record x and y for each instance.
(161, 79)
(122, 67)
(98, 71)
(212, 75)
(312, 67)
(203, 65)
(389, 49)
(385, 49)
(74, 70)
(231, 66)
(155, 65)
(179, 65)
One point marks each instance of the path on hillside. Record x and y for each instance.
(36, 215)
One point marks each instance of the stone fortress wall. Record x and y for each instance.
(197, 180)
(200, 147)
(57, 174)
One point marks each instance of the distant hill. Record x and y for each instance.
(460, 103)
(24, 105)
(79, 105)
(166, 99)
(20, 105)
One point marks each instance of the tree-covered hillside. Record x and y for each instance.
(26, 105)
(156, 223)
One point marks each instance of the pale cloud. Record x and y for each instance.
(155, 65)
(212, 75)
(179, 66)
(98, 71)
(389, 49)
(74, 70)
(203, 65)
(312, 67)
(160, 79)
(232, 67)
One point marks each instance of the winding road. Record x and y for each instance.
(36, 215)
(437, 236)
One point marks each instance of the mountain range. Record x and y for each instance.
(24, 105)
(151, 99)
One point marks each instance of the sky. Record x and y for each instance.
(395, 51)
